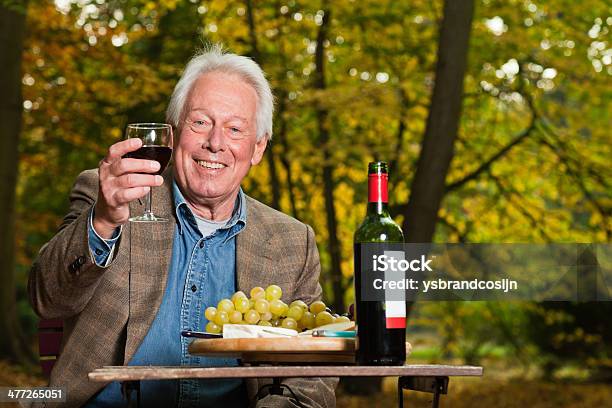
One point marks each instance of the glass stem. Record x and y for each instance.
(148, 202)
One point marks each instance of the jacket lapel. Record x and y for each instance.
(150, 255)
(252, 249)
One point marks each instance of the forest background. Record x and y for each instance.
(493, 115)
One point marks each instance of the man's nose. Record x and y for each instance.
(216, 139)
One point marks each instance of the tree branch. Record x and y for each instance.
(501, 153)
(604, 212)
(461, 234)
(579, 162)
(510, 192)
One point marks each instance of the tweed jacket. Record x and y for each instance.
(107, 311)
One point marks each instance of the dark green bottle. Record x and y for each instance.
(380, 339)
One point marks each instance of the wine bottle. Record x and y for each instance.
(381, 325)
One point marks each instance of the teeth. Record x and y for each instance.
(210, 165)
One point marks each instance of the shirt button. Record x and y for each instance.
(202, 244)
(194, 288)
(98, 251)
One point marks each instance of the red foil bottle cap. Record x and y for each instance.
(377, 188)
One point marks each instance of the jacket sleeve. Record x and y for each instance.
(64, 275)
(311, 392)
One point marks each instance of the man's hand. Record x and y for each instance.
(121, 181)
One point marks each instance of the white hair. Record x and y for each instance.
(215, 59)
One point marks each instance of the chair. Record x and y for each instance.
(50, 332)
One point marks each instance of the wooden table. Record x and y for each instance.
(281, 351)
(426, 378)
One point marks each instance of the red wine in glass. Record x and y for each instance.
(160, 154)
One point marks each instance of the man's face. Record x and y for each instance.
(217, 142)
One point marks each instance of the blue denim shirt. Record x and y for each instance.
(202, 272)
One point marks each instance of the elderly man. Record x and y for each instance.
(126, 290)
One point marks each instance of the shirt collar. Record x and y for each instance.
(185, 215)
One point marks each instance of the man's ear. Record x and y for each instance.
(260, 148)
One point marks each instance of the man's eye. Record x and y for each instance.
(199, 125)
(235, 130)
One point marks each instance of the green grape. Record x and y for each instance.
(235, 317)
(225, 305)
(262, 306)
(273, 292)
(299, 303)
(323, 318)
(317, 307)
(284, 310)
(237, 295)
(212, 327)
(264, 323)
(276, 307)
(341, 319)
(289, 323)
(222, 317)
(251, 316)
(242, 304)
(295, 312)
(210, 313)
(267, 316)
(275, 322)
(308, 320)
(258, 293)
(251, 304)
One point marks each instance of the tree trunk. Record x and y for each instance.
(281, 136)
(281, 133)
(274, 182)
(399, 143)
(333, 244)
(12, 31)
(428, 185)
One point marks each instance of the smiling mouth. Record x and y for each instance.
(210, 165)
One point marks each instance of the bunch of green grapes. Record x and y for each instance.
(265, 308)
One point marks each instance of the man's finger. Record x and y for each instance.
(128, 165)
(127, 195)
(132, 180)
(117, 150)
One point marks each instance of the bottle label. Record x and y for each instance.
(395, 314)
(395, 310)
(377, 188)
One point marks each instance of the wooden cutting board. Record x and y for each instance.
(287, 350)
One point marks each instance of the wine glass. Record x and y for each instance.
(156, 145)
